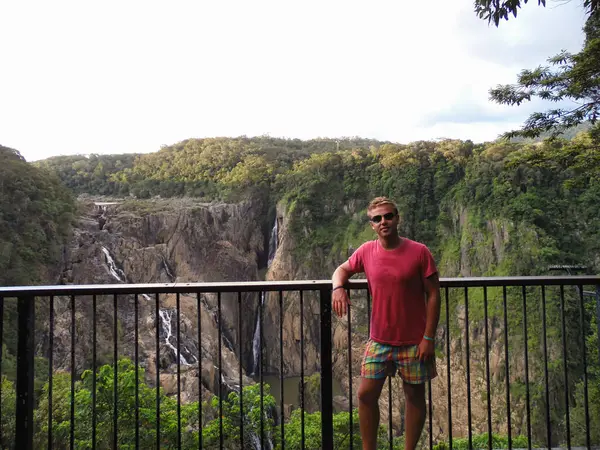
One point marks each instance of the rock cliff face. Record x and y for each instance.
(164, 242)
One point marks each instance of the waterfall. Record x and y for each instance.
(256, 442)
(256, 439)
(273, 243)
(165, 316)
(166, 266)
(117, 273)
(256, 340)
(166, 325)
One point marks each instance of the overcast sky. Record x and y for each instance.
(126, 76)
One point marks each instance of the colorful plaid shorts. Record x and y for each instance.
(381, 360)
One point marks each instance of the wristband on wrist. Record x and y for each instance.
(337, 287)
(428, 338)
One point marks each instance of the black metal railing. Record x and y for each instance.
(540, 331)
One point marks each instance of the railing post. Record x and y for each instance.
(326, 372)
(25, 350)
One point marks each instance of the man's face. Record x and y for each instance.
(384, 221)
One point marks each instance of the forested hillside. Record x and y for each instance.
(549, 187)
(35, 216)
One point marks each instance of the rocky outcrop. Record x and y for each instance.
(169, 241)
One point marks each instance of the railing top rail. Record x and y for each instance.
(295, 285)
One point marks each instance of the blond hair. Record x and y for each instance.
(380, 201)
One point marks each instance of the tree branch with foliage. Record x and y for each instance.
(573, 78)
(495, 10)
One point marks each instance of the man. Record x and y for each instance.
(404, 284)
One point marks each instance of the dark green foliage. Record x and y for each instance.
(529, 190)
(91, 174)
(35, 216)
(219, 168)
(168, 416)
(481, 441)
(496, 10)
(570, 77)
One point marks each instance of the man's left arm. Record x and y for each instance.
(432, 290)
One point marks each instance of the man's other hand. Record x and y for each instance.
(425, 350)
(340, 301)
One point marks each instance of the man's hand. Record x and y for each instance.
(425, 350)
(340, 301)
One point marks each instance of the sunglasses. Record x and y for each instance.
(387, 216)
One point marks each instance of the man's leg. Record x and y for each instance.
(368, 410)
(414, 417)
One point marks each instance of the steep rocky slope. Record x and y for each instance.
(163, 242)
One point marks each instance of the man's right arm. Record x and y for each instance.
(341, 275)
(339, 298)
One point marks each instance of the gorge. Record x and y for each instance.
(287, 210)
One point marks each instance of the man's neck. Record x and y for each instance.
(391, 242)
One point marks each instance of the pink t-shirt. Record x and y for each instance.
(395, 280)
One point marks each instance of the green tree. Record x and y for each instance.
(482, 441)
(8, 406)
(250, 414)
(570, 77)
(496, 10)
(341, 432)
(61, 403)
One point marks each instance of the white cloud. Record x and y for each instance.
(130, 76)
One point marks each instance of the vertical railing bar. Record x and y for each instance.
(468, 356)
(585, 374)
(50, 368)
(199, 330)
(1, 344)
(241, 369)
(448, 375)
(526, 356)
(547, 389)
(219, 318)
(260, 369)
(115, 375)
(25, 373)
(430, 408)
(390, 422)
(507, 372)
(137, 373)
(94, 349)
(302, 436)
(73, 370)
(326, 371)
(350, 418)
(157, 363)
(178, 356)
(487, 367)
(565, 367)
(281, 368)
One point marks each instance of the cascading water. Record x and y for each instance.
(167, 270)
(256, 341)
(166, 325)
(117, 273)
(165, 316)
